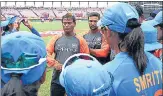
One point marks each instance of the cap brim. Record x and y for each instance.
(9, 21)
(4, 23)
(30, 72)
(99, 23)
(150, 18)
(13, 19)
(152, 22)
(61, 79)
(152, 46)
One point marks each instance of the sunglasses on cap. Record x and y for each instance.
(24, 60)
(104, 27)
(75, 57)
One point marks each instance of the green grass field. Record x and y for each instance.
(81, 28)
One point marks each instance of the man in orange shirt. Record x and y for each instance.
(97, 44)
(63, 46)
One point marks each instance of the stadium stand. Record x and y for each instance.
(27, 12)
(9, 11)
(44, 12)
(79, 12)
(98, 10)
(148, 6)
(59, 12)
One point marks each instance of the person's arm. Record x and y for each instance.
(83, 45)
(50, 50)
(103, 52)
(33, 30)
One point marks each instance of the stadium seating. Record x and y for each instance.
(58, 12)
(41, 11)
(9, 11)
(27, 13)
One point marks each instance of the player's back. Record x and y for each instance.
(128, 82)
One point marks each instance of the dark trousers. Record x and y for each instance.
(56, 90)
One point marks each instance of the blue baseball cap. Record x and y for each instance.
(150, 37)
(153, 14)
(157, 20)
(117, 16)
(149, 18)
(10, 20)
(23, 48)
(85, 78)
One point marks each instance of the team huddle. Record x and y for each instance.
(121, 55)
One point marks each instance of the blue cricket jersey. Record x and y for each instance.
(128, 82)
(33, 30)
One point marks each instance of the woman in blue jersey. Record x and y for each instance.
(136, 73)
(12, 24)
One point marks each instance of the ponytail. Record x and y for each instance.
(6, 28)
(134, 44)
(13, 87)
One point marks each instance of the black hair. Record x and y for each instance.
(69, 15)
(94, 14)
(6, 28)
(160, 25)
(139, 9)
(153, 15)
(134, 44)
(13, 87)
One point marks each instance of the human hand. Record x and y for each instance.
(26, 23)
(58, 66)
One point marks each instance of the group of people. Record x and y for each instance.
(120, 55)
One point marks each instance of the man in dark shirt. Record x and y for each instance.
(63, 46)
(96, 41)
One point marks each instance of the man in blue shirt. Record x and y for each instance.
(136, 73)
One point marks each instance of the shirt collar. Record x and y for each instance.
(121, 55)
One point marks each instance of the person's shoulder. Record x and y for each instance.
(120, 61)
(85, 34)
(153, 60)
(81, 38)
(111, 66)
(150, 56)
(56, 36)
